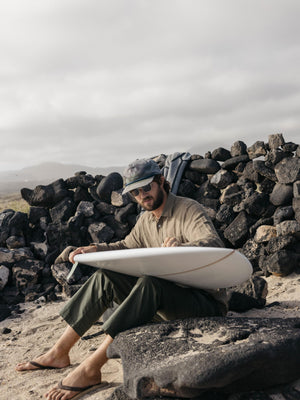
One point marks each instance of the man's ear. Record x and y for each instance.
(162, 180)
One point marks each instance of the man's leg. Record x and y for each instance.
(148, 296)
(85, 307)
(88, 373)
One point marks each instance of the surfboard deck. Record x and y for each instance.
(200, 267)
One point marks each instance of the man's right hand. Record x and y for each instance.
(81, 250)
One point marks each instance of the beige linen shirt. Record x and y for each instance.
(182, 218)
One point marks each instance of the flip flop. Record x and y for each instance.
(82, 390)
(40, 366)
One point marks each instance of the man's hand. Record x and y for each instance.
(171, 242)
(81, 250)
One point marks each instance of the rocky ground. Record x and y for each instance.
(30, 333)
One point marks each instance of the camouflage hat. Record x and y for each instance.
(139, 173)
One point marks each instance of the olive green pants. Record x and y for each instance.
(139, 299)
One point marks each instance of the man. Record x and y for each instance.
(168, 221)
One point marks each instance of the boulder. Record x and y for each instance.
(100, 232)
(238, 148)
(220, 154)
(205, 166)
(276, 141)
(111, 182)
(256, 150)
(282, 194)
(248, 295)
(236, 233)
(264, 233)
(288, 170)
(188, 358)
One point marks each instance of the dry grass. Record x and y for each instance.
(14, 202)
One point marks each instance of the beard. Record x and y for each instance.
(156, 202)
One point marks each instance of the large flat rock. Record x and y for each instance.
(186, 358)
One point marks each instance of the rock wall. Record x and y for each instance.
(251, 193)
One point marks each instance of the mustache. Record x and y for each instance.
(147, 198)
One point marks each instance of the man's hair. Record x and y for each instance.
(167, 186)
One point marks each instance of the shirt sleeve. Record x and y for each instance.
(199, 229)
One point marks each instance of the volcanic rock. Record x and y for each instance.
(186, 358)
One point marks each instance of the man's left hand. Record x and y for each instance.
(171, 242)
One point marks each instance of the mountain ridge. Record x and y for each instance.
(45, 173)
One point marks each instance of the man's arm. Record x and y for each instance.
(198, 229)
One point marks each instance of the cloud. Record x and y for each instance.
(106, 82)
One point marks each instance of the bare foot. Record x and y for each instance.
(48, 360)
(81, 377)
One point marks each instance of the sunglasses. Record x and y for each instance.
(146, 188)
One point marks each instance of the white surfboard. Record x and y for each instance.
(200, 267)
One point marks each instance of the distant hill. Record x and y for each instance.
(45, 173)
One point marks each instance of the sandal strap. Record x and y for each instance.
(74, 388)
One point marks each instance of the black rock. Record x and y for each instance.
(281, 194)
(63, 210)
(205, 166)
(260, 167)
(220, 154)
(223, 178)
(258, 223)
(118, 199)
(120, 229)
(266, 186)
(288, 170)
(86, 208)
(273, 157)
(46, 196)
(256, 150)
(82, 194)
(290, 147)
(250, 294)
(27, 273)
(238, 148)
(105, 209)
(187, 189)
(276, 141)
(280, 242)
(232, 195)
(282, 214)
(36, 213)
(281, 263)
(207, 190)
(111, 182)
(236, 233)
(190, 357)
(256, 204)
(194, 176)
(122, 213)
(250, 174)
(18, 224)
(225, 214)
(100, 232)
(231, 163)
(15, 242)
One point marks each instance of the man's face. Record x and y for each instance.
(152, 199)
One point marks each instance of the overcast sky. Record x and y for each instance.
(101, 83)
